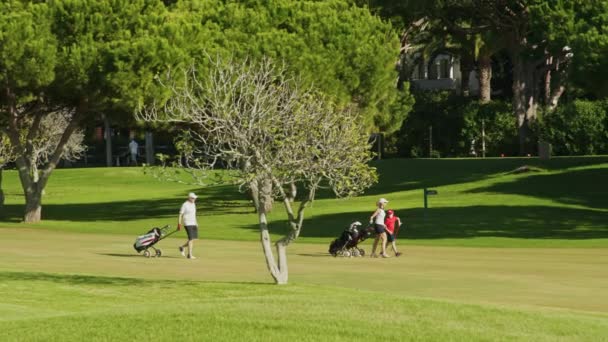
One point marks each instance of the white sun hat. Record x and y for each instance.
(192, 195)
(383, 200)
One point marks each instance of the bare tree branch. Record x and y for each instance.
(257, 120)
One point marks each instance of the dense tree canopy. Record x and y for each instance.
(85, 58)
(342, 49)
(551, 45)
(77, 58)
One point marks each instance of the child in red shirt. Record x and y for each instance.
(391, 230)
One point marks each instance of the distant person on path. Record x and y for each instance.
(187, 217)
(377, 220)
(391, 230)
(133, 148)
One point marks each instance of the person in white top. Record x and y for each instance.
(377, 220)
(133, 148)
(187, 217)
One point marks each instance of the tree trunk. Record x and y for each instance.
(293, 191)
(279, 274)
(1, 191)
(278, 271)
(149, 148)
(484, 65)
(266, 195)
(552, 96)
(466, 66)
(108, 136)
(524, 98)
(33, 207)
(278, 268)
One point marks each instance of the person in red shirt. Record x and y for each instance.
(392, 223)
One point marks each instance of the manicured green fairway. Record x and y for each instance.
(75, 277)
(479, 204)
(75, 286)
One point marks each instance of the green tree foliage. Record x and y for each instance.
(457, 127)
(27, 51)
(77, 57)
(587, 33)
(576, 128)
(341, 49)
(87, 57)
(111, 51)
(551, 44)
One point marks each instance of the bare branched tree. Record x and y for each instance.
(255, 120)
(41, 137)
(43, 146)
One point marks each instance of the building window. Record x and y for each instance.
(444, 68)
(421, 70)
(418, 72)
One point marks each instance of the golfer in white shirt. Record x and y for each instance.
(187, 217)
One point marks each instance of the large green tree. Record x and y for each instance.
(435, 26)
(540, 37)
(587, 34)
(77, 57)
(340, 48)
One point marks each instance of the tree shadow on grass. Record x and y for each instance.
(528, 222)
(214, 201)
(316, 255)
(68, 278)
(590, 188)
(135, 256)
(413, 174)
(77, 279)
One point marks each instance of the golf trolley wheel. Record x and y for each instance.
(159, 253)
(361, 252)
(355, 253)
(346, 254)
(147, 253)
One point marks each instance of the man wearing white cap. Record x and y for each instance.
(187, 217)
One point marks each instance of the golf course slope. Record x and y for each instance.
(499, 255)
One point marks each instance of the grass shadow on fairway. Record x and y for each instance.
(214, 201)
(590, 189)
(529, 222)
(412, 174)
(68, 278)
(135, 255)
(79, 279)
(315, 255)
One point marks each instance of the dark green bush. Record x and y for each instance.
(456, 126)
(576, 128)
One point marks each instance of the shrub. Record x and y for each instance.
(456, 123)
(576, 128)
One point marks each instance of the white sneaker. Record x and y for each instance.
(191, 257)
(182, 251)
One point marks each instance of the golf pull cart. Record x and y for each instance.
(147, 241)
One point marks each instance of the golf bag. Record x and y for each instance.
(346, 244)
(147, 241)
